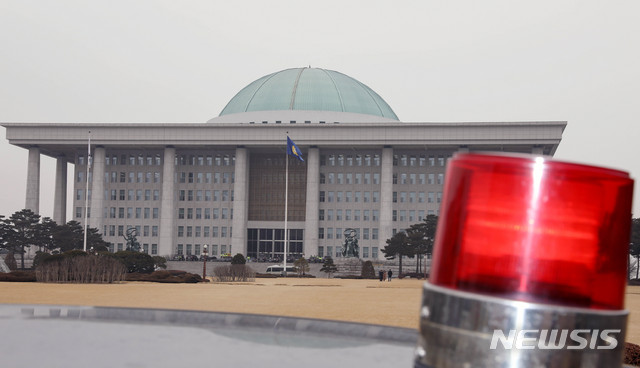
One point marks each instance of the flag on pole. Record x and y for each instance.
(293, 150)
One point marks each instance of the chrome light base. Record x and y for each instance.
(467, 330)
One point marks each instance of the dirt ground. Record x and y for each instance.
(395, 303)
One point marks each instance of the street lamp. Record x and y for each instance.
(204, 263)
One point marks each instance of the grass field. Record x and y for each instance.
(395, 303)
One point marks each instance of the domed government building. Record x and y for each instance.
(222, 182)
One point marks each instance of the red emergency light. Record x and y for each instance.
(533, 229)
(526, 248)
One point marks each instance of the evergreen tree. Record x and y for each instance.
(421, 237)
(329, 267)
(238, 259)
(69, 236)
(368, 272)
(398, 246)
(302, 266)
(44, 234)
(23, 225)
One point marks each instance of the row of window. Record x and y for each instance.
(131, 212)
(421, 160)
(417, 160)
(338, 252)
(124, 195)
(363, 233)
(123, 177)
(205, 195)
(421, 179)
(349, 178)
(365, 178)
(367, 215)
(156, 159)
(229, 177)
(206, 160)
(410, 215)
(365, 197)
(119, 212)
(205, 213)
(118, 230)
(131, 160)
(417, 197)
(350, 160)
(195, 249)
(204, 231)
(205, 177)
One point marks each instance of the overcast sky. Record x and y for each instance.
(432, 61)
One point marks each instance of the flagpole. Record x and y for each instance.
(286, 207)
(86, 194)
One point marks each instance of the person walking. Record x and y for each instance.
(381, 275)
(389, 274)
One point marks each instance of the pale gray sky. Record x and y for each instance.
(434, 61)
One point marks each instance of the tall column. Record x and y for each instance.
(386, 197)
(167, 211)
(240, 201)
(60, 195)
(97, 189)
(32, 201)
(312, 206)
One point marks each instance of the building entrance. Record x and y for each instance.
(267, 245)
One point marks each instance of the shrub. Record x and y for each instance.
(135, 261)
(159, 262)
(18, 276)
(39, 258)
(10, 261)
(75, 253)
(80, 269)
(234, 273)
(238, 259)
(368, 272)
(171, 276)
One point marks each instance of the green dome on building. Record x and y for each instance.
(311, 89)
